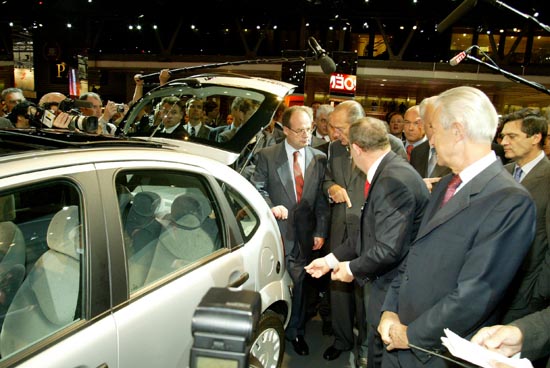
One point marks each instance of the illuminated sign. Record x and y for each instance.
(343, 83)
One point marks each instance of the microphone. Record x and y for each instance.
(460, 56)
(327, 64)
(456, 14)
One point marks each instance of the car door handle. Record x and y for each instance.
(240, 280)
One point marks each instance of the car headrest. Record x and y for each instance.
(144, 206)
(64, 232)
(189, 211)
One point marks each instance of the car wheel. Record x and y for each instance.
(269, 344)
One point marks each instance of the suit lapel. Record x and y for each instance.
(534, 176)
(283, 170)
(459, 202)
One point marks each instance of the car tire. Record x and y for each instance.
(268, 347)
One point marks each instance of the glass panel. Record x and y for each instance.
(170, 222)
(41, 261)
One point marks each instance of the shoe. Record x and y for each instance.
(327, 328)
(300, 345)
(332, 353)
(361, 363)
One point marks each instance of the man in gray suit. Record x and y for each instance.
(523, 136)
(289, 175)
(476, 230)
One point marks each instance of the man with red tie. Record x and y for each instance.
(476, 230)
(395, 200)
(289, 175)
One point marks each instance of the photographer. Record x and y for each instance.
(105, 124)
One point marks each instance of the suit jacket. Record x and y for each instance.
(274, 180)
(204, 131)
(463, 259)
(179, 133)
(419, 160)
(340, 170)
(397, 146)
(389, 222)
(320, 144)
(536, 335)
(530, 291)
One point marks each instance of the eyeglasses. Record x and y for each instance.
(302, 131)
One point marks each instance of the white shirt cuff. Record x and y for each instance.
(331, 260)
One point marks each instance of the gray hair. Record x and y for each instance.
(470, 107)
(354, 110)
(369, 134)
(325, 109)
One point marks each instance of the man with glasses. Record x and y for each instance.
(289, 176)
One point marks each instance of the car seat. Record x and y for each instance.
(47, 299)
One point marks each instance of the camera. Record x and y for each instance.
(119, 107)
(89, 124)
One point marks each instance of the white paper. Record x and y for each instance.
(477, 354)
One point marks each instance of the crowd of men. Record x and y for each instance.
(436, 218)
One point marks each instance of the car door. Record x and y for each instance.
(176, 246)
(55, 311)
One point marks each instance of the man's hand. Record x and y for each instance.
(506, 340)
(340, 273)
(62, 120)
(164, 76)
(430, 182)
(339, 194)
(398, 336)
(317, 268)
(387, 320)
(318, 243)
(280, 212)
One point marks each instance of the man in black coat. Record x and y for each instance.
(390, 218)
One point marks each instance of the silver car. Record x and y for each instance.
(107, 245)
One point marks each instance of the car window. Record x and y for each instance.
(244, 214)
(41, 263)
(170, 223)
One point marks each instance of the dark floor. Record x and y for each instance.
(317, 344)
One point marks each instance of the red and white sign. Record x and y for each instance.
(343, 83)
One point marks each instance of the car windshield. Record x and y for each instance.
(203, 110)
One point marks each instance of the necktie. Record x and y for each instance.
(518, 172)
(298, 177)
(367, 187)
(431, 162)
(192, 131)
(409, 150)
(451, 189)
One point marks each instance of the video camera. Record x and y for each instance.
(46, 116)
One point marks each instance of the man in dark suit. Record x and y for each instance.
(523, 136)
(195, 112)
(475, 232)
(423, 156)
(390, 218)
(289, 176)
(344, 184)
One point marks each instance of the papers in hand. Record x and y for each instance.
(478, 355)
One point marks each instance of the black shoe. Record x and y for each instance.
(300, 345)
(327, 328)
(332, 353)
